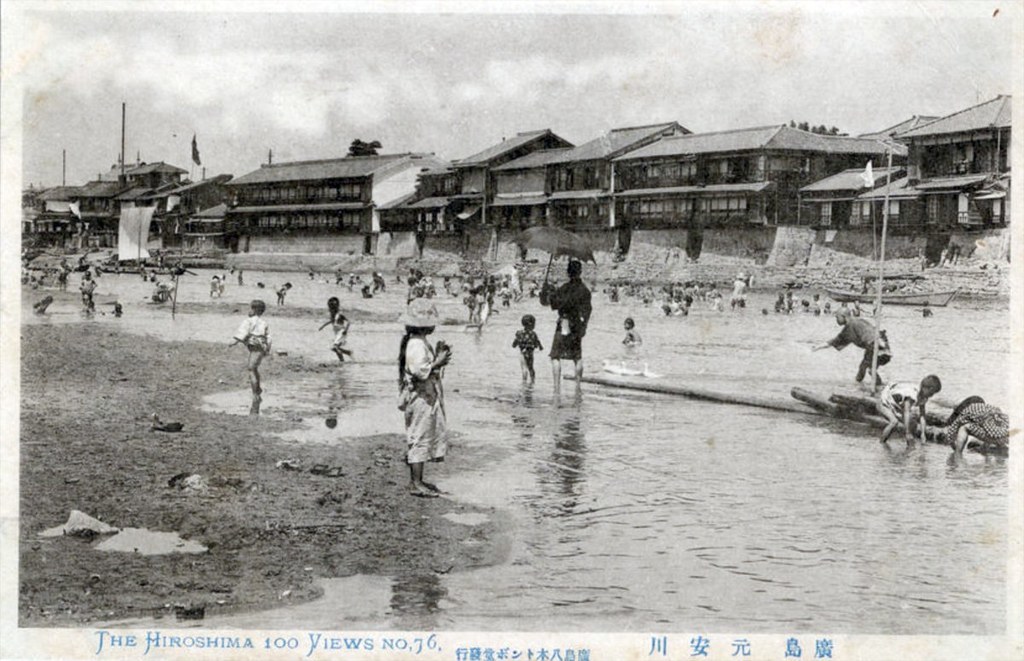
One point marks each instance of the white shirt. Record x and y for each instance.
(253, 327)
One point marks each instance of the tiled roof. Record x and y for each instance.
(590, 194)
(520, 201)
(534, 159)
(851, 179)
(946, 183)
(614, 142)
(135, 193)
(147, 168)
(398, 202)
(899, 189)
(351, 167)
(100, 189)
(278, 208)
(779, 138)
(59, 193)
(218, 211)
(993, 113)
(219, 179)
(905, 125)
(749, 187)
(503, 147)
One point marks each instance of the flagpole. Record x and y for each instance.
(881, 272)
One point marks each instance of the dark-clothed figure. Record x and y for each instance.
(860, 333)
(572, 302)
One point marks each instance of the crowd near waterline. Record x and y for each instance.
(422, 363)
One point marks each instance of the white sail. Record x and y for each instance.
(133, 233)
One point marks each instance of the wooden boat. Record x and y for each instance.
(939, 299)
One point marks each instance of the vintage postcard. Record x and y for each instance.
(550, 331)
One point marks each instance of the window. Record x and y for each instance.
(826, 213)
(933, 208)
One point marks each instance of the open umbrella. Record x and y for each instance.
(556, 242)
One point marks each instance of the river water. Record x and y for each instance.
(636, 511)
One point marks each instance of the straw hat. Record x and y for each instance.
(420, 313)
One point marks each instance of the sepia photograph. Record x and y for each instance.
(549, 331)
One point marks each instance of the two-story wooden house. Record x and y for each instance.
(329, 205)
(476, 175)
(748, 175)
(522, 189)
(960, 165)
(583, 179)
(432, 208)
(176, 205)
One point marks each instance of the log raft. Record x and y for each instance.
(854, 407)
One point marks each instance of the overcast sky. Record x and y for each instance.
(305, 85)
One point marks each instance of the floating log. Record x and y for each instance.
(693, 392)
(934, 415)
(820, 403)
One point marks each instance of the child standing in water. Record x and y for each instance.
(282, 292)
(527, 342)
(339, 323)
(632, 338)
(254, 333)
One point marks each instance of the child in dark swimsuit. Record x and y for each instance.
(527, 342)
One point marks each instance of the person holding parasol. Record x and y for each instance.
(571, 300)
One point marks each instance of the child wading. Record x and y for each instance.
(632, 338)
(527, 342)
(897, 401)
(282, 292)
(340, 325)
(254, 333)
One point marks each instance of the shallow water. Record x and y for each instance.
(637, 511)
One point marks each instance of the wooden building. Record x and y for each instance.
(829, 202)
(50, 220)
(176, 205)
(204, 230)
(432, 208)
(523, 188)
(330, 205)
(740, 176)
(583, 180)
(476, 177)
(906, 209)
(960, 163)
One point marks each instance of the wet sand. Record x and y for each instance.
(88, 393)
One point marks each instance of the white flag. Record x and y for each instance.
(868, 177)
(75, 208)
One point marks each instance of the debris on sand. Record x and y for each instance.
(80, 524)
(188, 482)
(149, 542)
(289, 465)
(172, 427)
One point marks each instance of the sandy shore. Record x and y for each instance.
(88, 391)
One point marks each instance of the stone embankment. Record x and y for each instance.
(775, 257)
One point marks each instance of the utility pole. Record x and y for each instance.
(63, 167)
(123, 105)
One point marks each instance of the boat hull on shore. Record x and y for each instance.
(935, 298)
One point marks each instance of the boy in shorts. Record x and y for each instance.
(254, 333)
